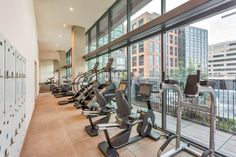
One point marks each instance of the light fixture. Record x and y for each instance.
(71, 9)
(60, 35)
(64, 25)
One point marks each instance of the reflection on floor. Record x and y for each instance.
(58, 131)
(44, 88)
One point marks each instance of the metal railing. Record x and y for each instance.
(226, 104)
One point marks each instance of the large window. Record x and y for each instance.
(118, 20)
(68, 63)
(146, 68)
(134, 49)
(93, 38)
(151, 47)
(141, 46)
(102, 63)
(141, 60)
(91, 63)
(103, 31)
(87, 42)
(134, 61)
(120, 65)
(209, 46)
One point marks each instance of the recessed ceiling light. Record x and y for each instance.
(71, 9)
(64, 25)
(60, 35)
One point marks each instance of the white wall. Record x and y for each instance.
(49, 56)
(46, 70)
(17, 24)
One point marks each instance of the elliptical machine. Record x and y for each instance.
(194, 87)
(125, 120)
(83, 88)
(108, 87)
(64, 90)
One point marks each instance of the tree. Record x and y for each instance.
(180, 73)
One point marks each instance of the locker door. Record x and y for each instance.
(13, 74)
(1, 77)
(24, 80)
(7, 76)
(17, 79)
(2, 137)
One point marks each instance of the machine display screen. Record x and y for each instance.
(122, 86)
(145, 89)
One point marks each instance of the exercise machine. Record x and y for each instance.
(88, 102)
(104, 111)
(63, 90)
(125, 121)
(194, 87)
(81, 82)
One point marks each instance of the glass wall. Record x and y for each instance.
(102, 63)
(209, 46)
(103, 31)
(93, 39)
(119, 65)
(143, 11)
(146, 68)
(91, 63)
(87, 42)
(68, 63)
(118, 19)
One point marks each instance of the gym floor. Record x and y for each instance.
(58, 131)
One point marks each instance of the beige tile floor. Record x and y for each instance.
(58, 131)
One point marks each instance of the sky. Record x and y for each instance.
(155, 6)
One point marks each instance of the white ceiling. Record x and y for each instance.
(52, 14)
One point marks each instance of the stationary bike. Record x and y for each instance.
(125, 120)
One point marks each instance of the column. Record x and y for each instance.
(62, 63)
(78, 50)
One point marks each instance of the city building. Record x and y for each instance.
(193, 48)
(222, 49)
(221, 63)
(146, 54)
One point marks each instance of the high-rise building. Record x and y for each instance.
(222, 57)
(193, 47)
(146, 54)
(222, 50)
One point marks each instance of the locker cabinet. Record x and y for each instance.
(9, 78)
(2, 136)
(2, 58)
(18, 79)
(12, 99)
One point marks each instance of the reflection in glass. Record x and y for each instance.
(93, 37)
(103, 31)
(146, 67)
(118, 20)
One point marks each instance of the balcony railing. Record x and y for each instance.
(226, 104)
